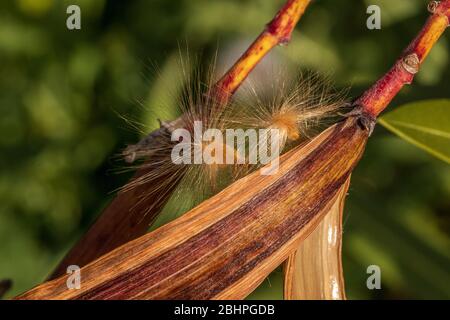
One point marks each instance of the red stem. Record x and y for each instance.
(278, 31)
(378, 97)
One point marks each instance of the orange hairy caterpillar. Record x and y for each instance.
(296, 109)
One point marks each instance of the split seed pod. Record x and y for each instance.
(226, 246)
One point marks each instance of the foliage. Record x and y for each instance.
(425, 124)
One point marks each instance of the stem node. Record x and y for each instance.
(411, 63)
(366, 120)
(377, 98)
(432, 6)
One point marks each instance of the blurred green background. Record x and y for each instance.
(62, 95)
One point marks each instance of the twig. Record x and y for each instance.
(378, 97)
(122, 220)
(277, 32)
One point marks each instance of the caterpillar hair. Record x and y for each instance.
(297, 109)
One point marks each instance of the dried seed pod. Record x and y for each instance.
(314, 271)
(190, 181)
(5, 286)
(227, 245)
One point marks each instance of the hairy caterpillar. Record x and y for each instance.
(297, 109)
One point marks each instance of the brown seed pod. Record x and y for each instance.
(227, 245)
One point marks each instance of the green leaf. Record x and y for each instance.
(425, 124)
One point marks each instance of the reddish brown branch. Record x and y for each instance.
(378, 97)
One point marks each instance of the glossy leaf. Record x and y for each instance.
(425, 124)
